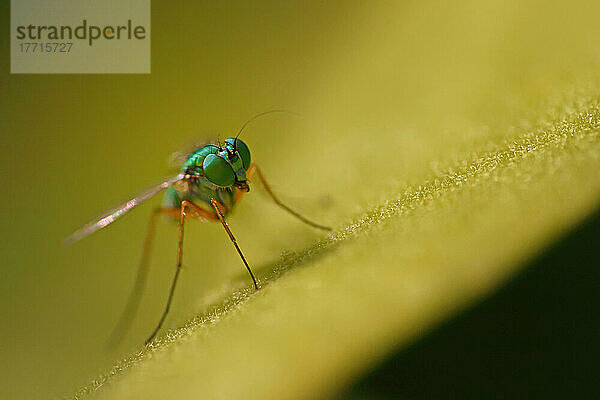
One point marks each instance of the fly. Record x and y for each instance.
(212, 180)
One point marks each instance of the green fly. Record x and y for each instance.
(212, 180)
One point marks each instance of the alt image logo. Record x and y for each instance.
(90, 33)
(111, 36)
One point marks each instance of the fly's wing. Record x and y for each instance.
(112, 215)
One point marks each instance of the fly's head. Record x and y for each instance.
(237, 154)
(224, 166)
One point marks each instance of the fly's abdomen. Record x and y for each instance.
(172, 198)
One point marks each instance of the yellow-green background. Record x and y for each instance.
(390, 94)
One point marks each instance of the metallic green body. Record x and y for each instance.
(200, 190)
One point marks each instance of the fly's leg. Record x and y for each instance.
(182, 213)
(254, 168)
(219, 214)
(140, 280)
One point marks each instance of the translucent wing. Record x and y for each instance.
(112, 215)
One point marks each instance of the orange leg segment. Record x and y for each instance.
(200, 213)
(206, 216)
(216, 205)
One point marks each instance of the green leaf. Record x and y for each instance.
(325, 314)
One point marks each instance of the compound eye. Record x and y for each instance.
(218, 171)
(242, 150)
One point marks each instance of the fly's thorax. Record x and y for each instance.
(195, 160)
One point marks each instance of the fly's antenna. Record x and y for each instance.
(255, 117)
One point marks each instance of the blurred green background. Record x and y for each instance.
(390, 92)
